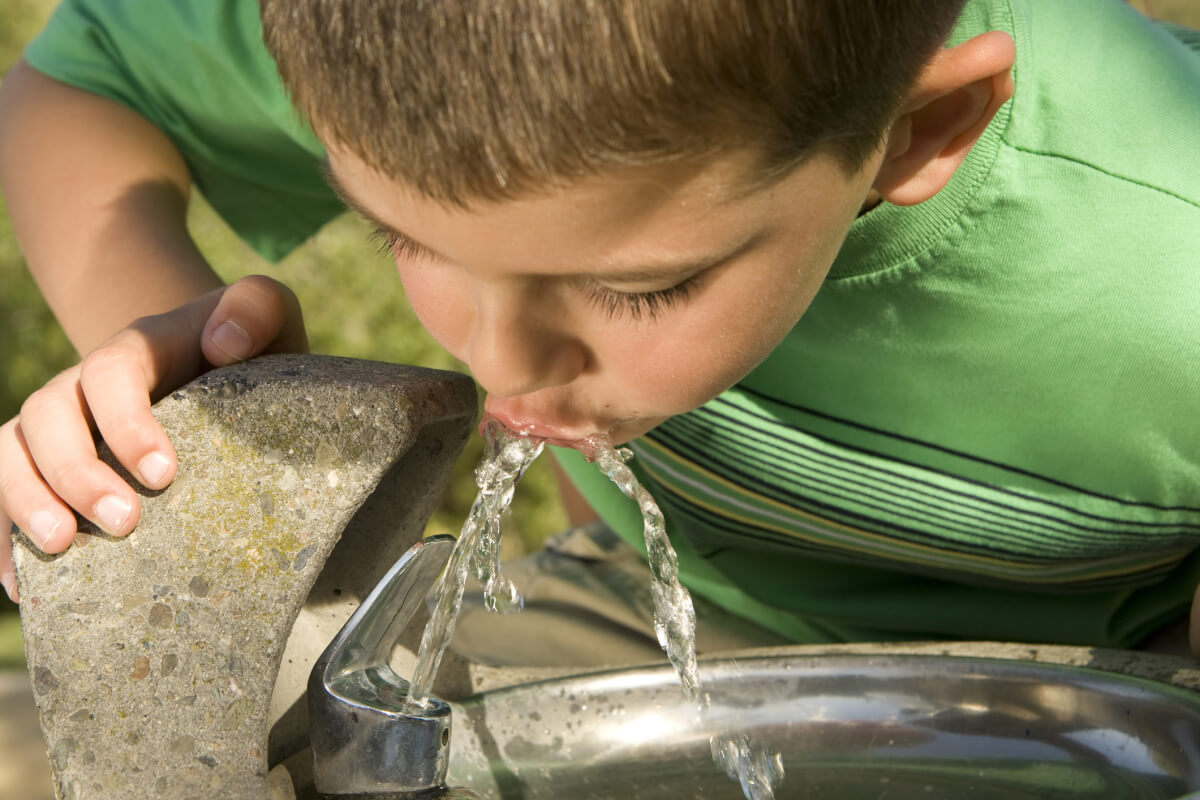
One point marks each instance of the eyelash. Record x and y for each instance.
(396, 246)
(638, 305)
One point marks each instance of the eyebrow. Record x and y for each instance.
(677, 269)
(637, 275)
(354, 205)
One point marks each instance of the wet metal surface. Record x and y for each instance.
(365, 736)
(887, 727)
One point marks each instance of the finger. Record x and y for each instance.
(122, 377)
(255, 315)
(27, 500)
(8, 573)
(117, 381)
(167, 345)
(55, 426)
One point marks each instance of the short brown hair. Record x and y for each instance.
(485, 99)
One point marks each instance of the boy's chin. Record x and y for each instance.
(627, 431)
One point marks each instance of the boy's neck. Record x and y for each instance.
(873, 199)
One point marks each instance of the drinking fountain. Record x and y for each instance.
(852, 722)
(173, 662)
(365, 737)
(250, 640)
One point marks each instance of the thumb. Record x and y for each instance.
(254, 315)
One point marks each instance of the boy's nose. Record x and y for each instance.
(516, 348)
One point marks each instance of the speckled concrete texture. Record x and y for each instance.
(155, 658)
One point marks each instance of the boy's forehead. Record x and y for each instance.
(714, 181)
(667, 218)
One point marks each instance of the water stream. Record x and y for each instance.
(757, 769)
(505, 458)
(507, 455)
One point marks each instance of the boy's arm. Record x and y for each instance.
(97, 197)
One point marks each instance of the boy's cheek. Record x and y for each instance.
(665, 377)
(442, 312)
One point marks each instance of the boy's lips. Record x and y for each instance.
(583, 437)
(538, 430)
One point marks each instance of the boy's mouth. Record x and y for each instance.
(586, 442)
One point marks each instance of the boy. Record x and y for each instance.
(620, 214)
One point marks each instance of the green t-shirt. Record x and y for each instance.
(984, 426)
(199, 71)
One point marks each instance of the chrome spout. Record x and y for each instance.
(365, 740)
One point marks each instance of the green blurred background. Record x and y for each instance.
(353, 305)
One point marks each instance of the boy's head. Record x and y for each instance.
(613, 210)
(467, 100)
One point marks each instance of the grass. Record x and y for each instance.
(12, 648)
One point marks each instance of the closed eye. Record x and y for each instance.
(399, 246)
(640, 305)
(614, 303)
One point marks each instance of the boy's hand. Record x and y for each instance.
(48, 462)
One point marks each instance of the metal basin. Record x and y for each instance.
(887, 727)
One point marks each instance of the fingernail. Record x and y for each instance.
(9, 582)
(232, 340)
(42, 525)
(153, 468)
(111, 512)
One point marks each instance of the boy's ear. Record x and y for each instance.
(944, 113)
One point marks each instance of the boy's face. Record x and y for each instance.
(620, 300)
